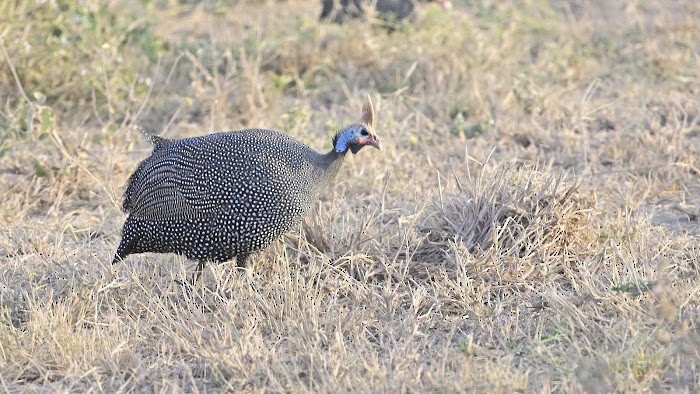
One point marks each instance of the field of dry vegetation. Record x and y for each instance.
(531, 225)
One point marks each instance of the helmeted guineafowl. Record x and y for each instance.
(386, 9)
(226, 195)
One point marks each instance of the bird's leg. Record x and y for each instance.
(198, 273)
(242, 260)
(189, 284)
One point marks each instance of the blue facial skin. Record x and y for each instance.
(349, 135)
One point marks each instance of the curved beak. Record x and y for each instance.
(374, 141)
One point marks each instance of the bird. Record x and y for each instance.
(217, 197)
(386, 9)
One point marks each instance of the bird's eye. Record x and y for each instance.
(364, 132)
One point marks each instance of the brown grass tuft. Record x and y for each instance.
(529, 222)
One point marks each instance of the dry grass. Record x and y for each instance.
(532, 224)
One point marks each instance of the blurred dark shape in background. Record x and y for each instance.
(385, 9)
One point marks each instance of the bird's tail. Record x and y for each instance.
(117, 258)
(125, 248)
(155, 139)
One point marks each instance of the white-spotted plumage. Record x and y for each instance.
(226, 195)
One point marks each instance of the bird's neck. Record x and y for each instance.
(330, 164)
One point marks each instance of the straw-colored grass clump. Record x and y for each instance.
(509, 224)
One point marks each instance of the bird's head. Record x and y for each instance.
(359, 134)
